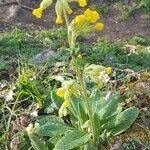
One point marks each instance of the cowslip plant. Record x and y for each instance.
(90, 118)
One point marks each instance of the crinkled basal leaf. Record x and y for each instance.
(74, 102)
(72, 140)
(96, 124)
(111, 108)
(82, 112)
(49, 119)
(36, 143)
(57, 101)
(74, 112)
(122, 121)
(51, 129)
(90, 146)
(96, 100)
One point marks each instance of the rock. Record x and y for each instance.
(44, 56)
(12, 11)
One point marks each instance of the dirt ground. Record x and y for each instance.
(12, 15)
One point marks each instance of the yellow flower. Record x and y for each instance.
(95, 16)
(108, 70)
(59, 20)
(79, 19)
(91, 16)
(87, 13)
(37, 12)
(63, 109)
(66, 103)
(69, 11)
(82, 3)
(99, 26)
(60, 92)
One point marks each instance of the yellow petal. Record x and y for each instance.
(95, 16)
(88, 14)
(59, 20)
(91, 16)
(82, 3)
(99, 26)
(69, 11)
(108, 70)
(66, 103)
(37, 12)
(60, 92)
(79, 19)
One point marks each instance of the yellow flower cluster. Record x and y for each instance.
(89, 17)
(98, 74)
(68, 88)
(60, 6)
(61, 93)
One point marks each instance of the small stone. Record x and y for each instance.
(117, 145)
(44, 56)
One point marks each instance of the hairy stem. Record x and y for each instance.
(79, 75)
(84, 95)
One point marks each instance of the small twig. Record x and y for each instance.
(143, 127)
(23, 6)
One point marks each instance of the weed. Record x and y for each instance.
(23, 44)
(102, 8)
(108, 53)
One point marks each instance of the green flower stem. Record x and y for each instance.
(84, 96)
(67, 24)
(71, 41)
(66, 18)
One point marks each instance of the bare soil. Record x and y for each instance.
(13, 15)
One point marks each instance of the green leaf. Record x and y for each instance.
(36, 143)
(82, 112)
(97, 125)
(74, 102)
(122, 121)
(96, 100)
(111, 108)
(51, 129)
(73, 119)
(50, 126)
(57, 101)
(49, 119)
(72, 140)
(77, 109)
(90, 146)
